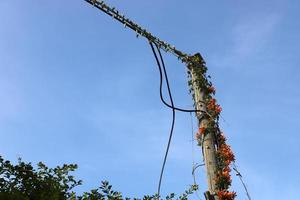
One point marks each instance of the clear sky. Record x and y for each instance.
(77, 87)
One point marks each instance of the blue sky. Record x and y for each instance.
(77, 87)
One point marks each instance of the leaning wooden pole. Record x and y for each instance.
(208, 142)
(216, 152)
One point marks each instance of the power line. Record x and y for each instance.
(241, 179)
(159, 44)
(161, 84)
(162, 70)
(111, 11)
(173, 113)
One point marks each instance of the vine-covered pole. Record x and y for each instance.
(208, 142)
(217, 154)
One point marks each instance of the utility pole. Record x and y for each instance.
(194, 63)
(208, 140)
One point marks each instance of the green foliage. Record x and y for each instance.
(23, 182)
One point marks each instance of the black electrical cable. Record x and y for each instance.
(162, 69)
(241, 179)
(167, 81)
(173, 119)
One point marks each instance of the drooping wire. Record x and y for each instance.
(241, 179)
(173, 112)
(162, 69)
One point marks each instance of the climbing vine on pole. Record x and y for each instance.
(224, 154)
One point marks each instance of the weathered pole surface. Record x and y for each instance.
(208, 140)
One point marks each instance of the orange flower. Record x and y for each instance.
(227, 153)
(226, 195)
(213, 101)
(212, 104)
(226, 172)
(218, 108)
(202, 130)
(224, 175)
(210, 107)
